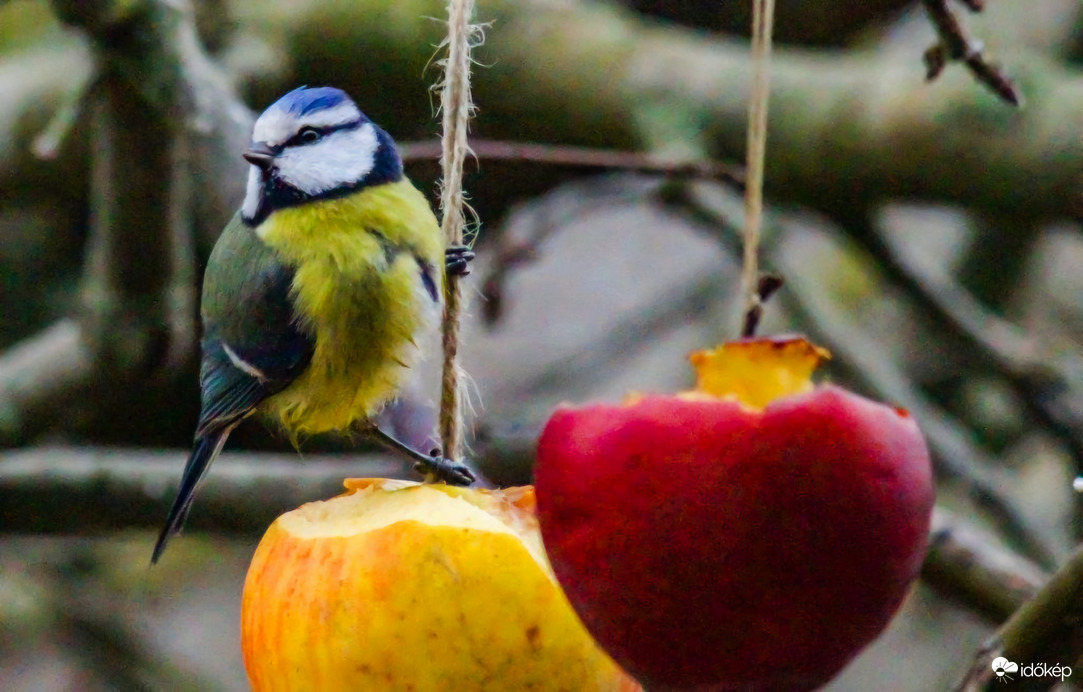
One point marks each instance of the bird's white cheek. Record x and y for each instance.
(342, 158)
(253, 193)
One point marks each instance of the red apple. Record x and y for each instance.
(753, 534)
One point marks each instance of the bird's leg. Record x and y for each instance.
(457, 260)
(441, 468)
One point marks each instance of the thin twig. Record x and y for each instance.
(955, 45)
(47, 143)
(765, 288)
(456, 106)
(582, 157)
(763, 13)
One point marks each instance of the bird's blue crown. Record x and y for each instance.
(304, 100)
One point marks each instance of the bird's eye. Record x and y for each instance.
(308, 135)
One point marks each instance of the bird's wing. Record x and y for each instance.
(235, 378)
(253, 345)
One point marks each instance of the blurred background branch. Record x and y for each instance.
(968, 564)
(1050, 626)
(247, 492)
(65, 490)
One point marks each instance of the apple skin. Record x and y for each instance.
(432, 599)
(711, 546)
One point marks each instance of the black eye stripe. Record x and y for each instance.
(299, 140)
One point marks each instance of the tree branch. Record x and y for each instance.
(587, 73)
(955, 45)
(1049, 628)
(969, 566)
(38, 372)
(60, 490)
(82, 491)
(848, 129)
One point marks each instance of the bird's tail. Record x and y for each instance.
(204, 451)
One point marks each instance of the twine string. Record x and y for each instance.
(456, 107)
(763, 12)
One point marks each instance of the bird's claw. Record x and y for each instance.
(457, 260)
(442, 469)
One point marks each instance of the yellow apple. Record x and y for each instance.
(401, 586)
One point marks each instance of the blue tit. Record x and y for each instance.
(317, 287)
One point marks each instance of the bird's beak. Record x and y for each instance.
(260, 155)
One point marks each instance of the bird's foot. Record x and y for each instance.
(439, 468)
(457, 260)
(434, 466)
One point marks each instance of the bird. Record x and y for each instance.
(315, 290)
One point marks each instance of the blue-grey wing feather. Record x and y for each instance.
(267, 355)
(253, 348)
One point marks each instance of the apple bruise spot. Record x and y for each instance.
(440, 557)
(532, 634)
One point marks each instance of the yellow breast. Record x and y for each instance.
(359, 262)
